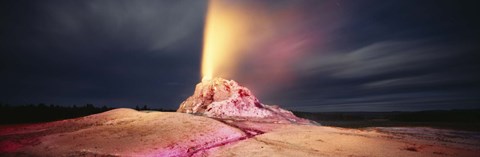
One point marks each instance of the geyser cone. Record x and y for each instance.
(225, 99)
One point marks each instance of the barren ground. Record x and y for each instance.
(126, 132)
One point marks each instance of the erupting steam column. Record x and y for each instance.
(224, 38)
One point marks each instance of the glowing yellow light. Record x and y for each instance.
(223, 39)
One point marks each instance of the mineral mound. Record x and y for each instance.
(226, 99)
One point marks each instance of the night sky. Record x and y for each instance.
(345, 55)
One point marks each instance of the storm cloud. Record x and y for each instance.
(376, 55)
(396, 75)
(116, 53)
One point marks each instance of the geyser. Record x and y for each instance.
(225, 37)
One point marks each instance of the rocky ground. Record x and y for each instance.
(126, 132)
(223, 118)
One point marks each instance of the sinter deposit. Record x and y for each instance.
(225, 99)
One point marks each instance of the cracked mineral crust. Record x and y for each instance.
(223, 118)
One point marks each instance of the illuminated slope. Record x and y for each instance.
(120, 132)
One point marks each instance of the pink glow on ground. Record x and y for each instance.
(14, 145)
(9, 146)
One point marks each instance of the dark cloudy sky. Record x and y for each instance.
(364, 55)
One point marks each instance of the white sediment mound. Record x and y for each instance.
(225, 99)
